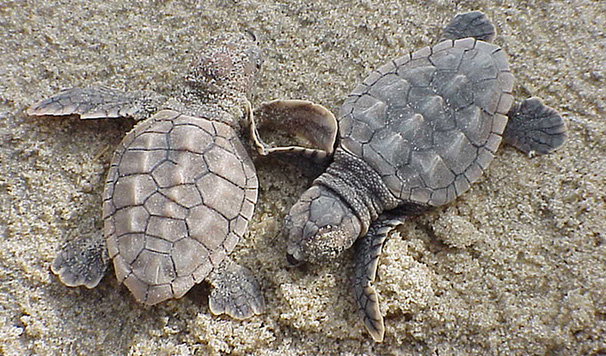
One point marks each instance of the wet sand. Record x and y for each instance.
(516, 266)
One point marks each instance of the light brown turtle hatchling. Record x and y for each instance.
(181, 188)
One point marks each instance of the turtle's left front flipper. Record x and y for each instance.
(99, 103)
(533, 127)
(368, 250)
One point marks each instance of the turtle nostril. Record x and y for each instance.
(292, 260)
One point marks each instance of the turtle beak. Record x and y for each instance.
(292, 261)
(295, 255)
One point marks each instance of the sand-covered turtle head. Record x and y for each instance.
(227, 63)
(319, 227)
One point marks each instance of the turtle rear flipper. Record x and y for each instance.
(534, 127)
(99, 103)
(235, 291)
(470, 24)
(82, 262)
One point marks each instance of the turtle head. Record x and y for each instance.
(320, 226)
(226, 64)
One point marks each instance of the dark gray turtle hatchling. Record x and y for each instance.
(181, 188)
(415, 134)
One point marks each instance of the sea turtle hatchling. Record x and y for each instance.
(414, 134)
(181, 187)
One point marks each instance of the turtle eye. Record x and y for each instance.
(259, 62)
(251, 35)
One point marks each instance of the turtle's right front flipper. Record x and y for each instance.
(99, 103)
(313, 127)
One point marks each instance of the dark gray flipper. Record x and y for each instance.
(236, 291)
(99, 103)
(82, 262)
(368, 250)
(470, 24)
(534, 127)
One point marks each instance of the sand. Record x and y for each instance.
(516, 266)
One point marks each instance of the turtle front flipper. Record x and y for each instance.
(533, 127)
(368, 249)
(300, 128)
(236, 291)
(470, 24)
(99, 103)
(82, 262)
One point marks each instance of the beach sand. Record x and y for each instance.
(516, 266)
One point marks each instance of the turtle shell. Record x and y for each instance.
(430, 122)
(179, 194)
